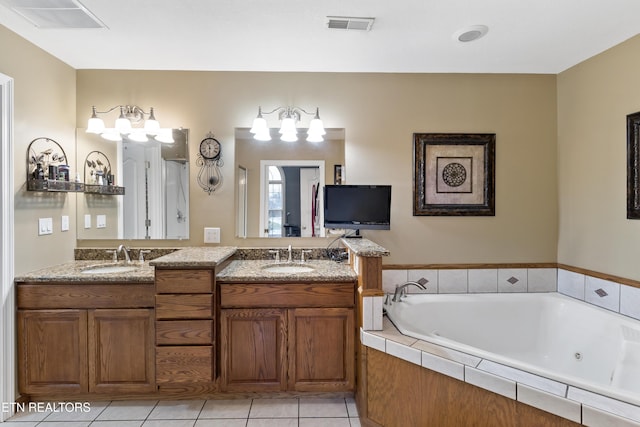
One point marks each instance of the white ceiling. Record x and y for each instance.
(415, 36)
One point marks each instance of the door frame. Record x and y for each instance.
(7, 305)
(264, 187)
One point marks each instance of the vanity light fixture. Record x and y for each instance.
(123, 124)
(288, 131)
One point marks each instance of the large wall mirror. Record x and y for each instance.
(279, 184)
(155, 177)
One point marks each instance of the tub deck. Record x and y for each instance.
(613, 389)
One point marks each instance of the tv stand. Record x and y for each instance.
(355, 235)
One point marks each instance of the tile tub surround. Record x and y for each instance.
(543, 393)
(334, 412)
(609, 294)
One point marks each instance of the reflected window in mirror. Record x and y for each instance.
(275, 202)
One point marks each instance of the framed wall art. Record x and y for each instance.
(633, 162)
(454, 174)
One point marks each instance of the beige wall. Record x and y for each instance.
(379, 112)
(594, 99)
(44, 106)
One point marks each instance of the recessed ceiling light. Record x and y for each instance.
(471, 33)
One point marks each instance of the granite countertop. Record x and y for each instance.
(254, 271)
(365, 247)
(73, 272)
(195, 257)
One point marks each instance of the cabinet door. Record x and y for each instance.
(52, 351)
(121, 351)
(253, 349)
(321, 349)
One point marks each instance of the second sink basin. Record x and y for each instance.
(287, 268)
(106, 269)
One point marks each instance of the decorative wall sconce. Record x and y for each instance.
(288, 132)
(129, 114)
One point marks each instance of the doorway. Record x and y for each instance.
(7, 305)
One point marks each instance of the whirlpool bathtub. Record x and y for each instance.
(547, 334)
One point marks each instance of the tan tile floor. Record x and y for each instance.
(302, 412)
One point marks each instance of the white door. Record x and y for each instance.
(143, 200)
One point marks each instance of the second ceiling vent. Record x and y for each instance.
(349, 23)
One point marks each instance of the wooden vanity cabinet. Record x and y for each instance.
(287, 337)
(70, 343)
(321, 349)
(185, 319)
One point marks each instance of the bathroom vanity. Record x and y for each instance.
(195, 322)
(290, 333)
(77, 335)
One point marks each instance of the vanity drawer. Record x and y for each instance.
(184, 281)
(179, 364)
(184, 332)
(287, 295)
(183, 306)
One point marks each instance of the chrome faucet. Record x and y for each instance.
(276, 253)
(289, 258)
(127, 255)
(302, 252)
(401, 290)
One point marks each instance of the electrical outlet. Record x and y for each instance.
(212, 235)
(101, 221)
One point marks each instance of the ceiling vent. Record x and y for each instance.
(54, 13)
(349, 23)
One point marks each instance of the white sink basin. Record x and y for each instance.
(288, 268)
(106, 269)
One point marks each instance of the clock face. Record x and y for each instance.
(210, 148)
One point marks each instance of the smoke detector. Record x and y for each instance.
(54, 14)
(349, 23)
(469, 34)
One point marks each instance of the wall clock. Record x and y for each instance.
(210, 162)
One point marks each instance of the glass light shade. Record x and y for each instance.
(259, 126)
(95, 125)
(138, 136)
(165, 135)
(263, 136)
(151, 126)
(123, 125)
(288, 126)
(314, 137)
(316, 128)
(111, 135)
(289, 137)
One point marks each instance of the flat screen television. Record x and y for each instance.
(357, 207)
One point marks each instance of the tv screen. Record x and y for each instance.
(357, 207)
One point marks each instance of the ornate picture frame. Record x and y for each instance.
(454, 174)
(633, 163)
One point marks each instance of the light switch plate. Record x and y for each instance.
(87, 221)
(45, 226)
(101, 221)
(212, 234)
(64, 223)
